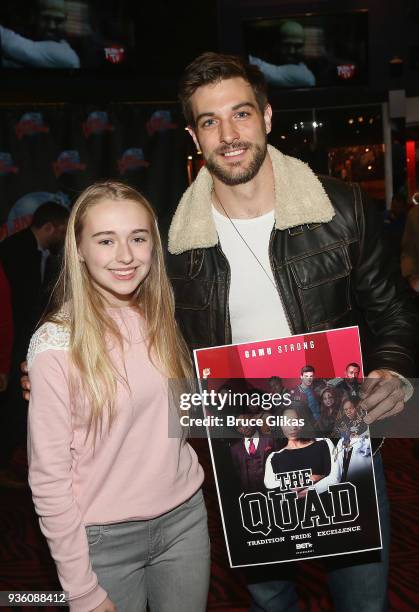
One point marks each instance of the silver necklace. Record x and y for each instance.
(245, 241)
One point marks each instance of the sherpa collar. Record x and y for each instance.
(299, 199)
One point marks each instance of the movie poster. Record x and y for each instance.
(291, 453)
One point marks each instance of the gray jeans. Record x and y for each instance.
(163, 562)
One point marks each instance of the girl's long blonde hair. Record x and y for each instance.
(77, 304)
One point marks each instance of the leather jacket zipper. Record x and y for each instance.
(290, 325)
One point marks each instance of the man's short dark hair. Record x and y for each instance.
(353, 365)
(214, 67)
(307, 368)
(49, 212)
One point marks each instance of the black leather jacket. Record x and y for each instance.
(329, 275)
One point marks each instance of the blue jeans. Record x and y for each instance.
(358, 583)
(163, 562)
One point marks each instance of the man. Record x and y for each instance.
(290, 69)
(306, 392)
(350, 384)
(260, 248)
(31, 266)
(308, 398)
(28, 258)
(249, 456)
(49, 50)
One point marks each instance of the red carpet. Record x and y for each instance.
(25, 562)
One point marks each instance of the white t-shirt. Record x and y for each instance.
(256, 311)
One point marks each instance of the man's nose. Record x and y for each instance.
(228, 132)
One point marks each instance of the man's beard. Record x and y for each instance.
(227, 175)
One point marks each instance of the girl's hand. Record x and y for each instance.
(24, 381)
(105, 606)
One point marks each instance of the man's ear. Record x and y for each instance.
(267, 117)
(194, 138)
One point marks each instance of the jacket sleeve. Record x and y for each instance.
(383, 296)
(50, 439)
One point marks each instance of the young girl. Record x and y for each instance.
(119, 501)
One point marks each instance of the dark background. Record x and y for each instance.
(168, 36)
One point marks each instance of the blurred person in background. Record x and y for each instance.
(6, 332)
(48, 48)
(30, 260)
(289, 69)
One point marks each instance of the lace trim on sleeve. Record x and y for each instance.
(48, 336)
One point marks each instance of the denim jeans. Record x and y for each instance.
(358, 583)
(162, 562)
